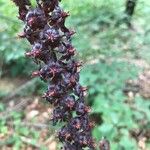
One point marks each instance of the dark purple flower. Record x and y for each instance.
(51, 46)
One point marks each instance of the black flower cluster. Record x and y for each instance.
(51, 47)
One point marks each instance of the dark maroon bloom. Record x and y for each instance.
(35, 19)
(51, 47)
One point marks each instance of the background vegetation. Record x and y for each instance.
(114, 58)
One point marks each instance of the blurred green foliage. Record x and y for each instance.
(105, 83)
(19, 130)
(101, 45)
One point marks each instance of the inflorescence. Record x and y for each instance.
(51, 47)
